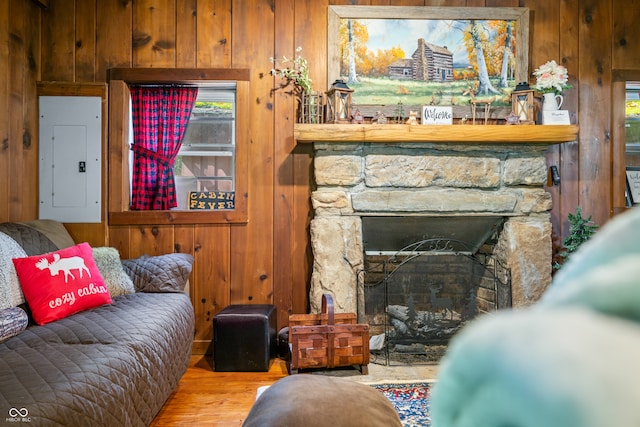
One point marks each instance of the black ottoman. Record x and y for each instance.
(244, 338)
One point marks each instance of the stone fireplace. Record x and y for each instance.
(415, 176)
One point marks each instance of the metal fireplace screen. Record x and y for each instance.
(418, 296)
(389, 234)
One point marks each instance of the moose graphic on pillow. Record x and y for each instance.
(65, 265)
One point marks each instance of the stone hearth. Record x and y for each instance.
(358, 179)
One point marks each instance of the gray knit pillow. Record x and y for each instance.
(115, 278)
(12, 321)
(10, 290)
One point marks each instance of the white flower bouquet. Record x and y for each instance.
(551, 78)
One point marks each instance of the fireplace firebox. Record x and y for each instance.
(418, 296)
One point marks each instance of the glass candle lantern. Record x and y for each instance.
(522, 105)
(339, 101)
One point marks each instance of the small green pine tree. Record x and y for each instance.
(399, 112)
(580, 230)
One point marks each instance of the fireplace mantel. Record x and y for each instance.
(487, 134)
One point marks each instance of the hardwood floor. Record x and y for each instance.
(207, 398)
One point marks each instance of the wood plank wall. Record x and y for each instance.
(268, 260)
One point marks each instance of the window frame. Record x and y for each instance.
(118, 183)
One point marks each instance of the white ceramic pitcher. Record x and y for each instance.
(551, 101)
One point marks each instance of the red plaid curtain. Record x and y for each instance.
(160, 118)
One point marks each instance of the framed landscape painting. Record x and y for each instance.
(413, 56)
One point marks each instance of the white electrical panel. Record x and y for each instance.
(70, 158)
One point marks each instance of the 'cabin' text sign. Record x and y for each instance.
(212, 200)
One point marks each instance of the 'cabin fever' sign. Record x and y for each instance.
(212, 200)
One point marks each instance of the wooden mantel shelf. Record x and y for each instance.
(490, 134)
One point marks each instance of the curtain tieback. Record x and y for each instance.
(163, 160)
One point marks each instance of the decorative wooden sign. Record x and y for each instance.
(212, 200)
(633, 184)
(436, 115)
(556, 117)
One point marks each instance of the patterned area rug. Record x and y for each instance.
(411, 400)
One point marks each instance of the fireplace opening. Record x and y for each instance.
(424, 278)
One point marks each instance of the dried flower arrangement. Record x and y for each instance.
(297, 73)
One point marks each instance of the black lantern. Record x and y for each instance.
(339, 103)
(522, 103)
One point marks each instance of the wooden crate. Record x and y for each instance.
(328, 340)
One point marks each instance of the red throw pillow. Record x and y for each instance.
(61, 283)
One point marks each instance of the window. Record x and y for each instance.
(632, 141)
(205, 164)
(210, 169)
(632, 116)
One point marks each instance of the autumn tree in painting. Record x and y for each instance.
(376, 64)
(353, 77)
(356, 56)
(354, 36)
(507, 39)
(490, 56)
(476, 38)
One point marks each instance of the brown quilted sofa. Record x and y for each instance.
(114, 365)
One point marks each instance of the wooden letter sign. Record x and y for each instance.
(212, 200)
